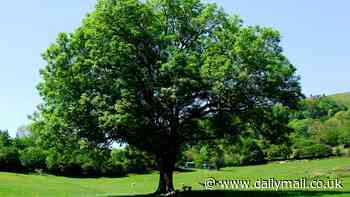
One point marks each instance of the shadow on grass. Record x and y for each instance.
(219, 193)
(185, 170)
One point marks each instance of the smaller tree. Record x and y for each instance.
(9, 156)
(5, 139)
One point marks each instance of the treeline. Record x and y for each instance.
(25, 154)
(321, 128)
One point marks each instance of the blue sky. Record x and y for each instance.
(315, 37)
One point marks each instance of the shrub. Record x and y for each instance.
(251, 153)
(114, 169)
(329, 132)
(313, 151)
(33, 158)
(9, 160)
(90, 167)
(138, 161)
(339, 151)
(345, 137)
(278, 152)
(62, 164)
(232, 159)
(52, 162)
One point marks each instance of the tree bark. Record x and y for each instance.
(166, 167)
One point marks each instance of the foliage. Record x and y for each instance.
(9, 155)
(33, 158)
(278, 152)
(5, 139)
(136, 161)
(209, 154)
(9, 160)
(302, 128)
(161, 74)
(313, 151)
(319, 107)
(326, 125)
(342, 99)
(114, 169)
(251, 153)
(72, 156)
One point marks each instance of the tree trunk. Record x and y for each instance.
(166, 167)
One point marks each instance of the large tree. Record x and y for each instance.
(160, 74)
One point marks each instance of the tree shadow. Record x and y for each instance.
(226, 193)
(185, 170)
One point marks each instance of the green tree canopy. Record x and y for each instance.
(163, 73)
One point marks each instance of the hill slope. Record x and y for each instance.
(342, 98)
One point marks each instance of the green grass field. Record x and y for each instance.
(16, 185)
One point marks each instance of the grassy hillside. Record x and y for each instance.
(35, 185)
(342, 98)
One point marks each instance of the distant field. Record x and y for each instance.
(342, 98)
(35, 185)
